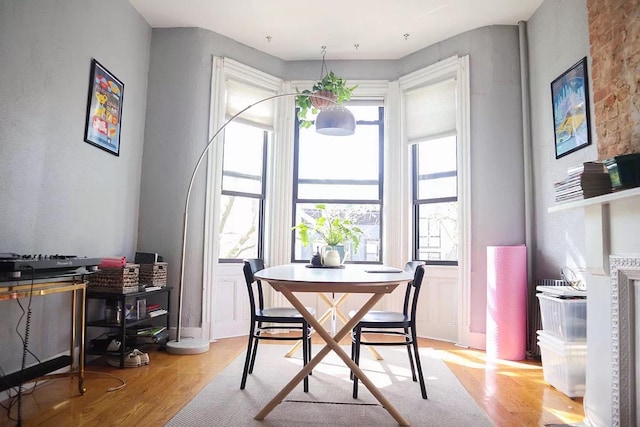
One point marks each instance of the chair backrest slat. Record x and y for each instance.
(250, 268)
(416, 284)
(413, 288)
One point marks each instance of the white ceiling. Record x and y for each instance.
(295, 30)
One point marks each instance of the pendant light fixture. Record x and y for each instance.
(335, 120)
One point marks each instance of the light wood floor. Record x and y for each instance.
(511, 393)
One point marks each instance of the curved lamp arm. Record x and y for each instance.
(193, 175)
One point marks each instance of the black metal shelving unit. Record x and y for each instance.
(126, 324)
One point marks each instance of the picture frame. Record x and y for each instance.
(104, 109)
(570, 102)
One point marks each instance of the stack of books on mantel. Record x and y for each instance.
(587, 180)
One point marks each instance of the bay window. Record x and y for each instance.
(345, 174)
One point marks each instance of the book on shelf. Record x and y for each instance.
(587, 167)
(145, 331)
(155, 330)
(587, 180)
(141, 308)
(152, 288)
(139, 329)
(151, 307)
(157, 312)
(152, 339)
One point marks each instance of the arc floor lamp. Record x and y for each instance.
(335, 120)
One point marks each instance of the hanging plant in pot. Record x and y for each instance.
(331, 89)
(331, 86)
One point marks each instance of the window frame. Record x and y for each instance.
(261, 197)
(417, 203)
(380, 201)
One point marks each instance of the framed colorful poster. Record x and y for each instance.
(104, 109)
(570, 100)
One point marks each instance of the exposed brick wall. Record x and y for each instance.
(614, 35)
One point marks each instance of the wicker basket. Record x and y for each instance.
(154, 274)
(121, 280)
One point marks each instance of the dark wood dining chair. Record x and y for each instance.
(271, 319)
(377, 323)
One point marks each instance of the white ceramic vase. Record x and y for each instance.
(331, 258)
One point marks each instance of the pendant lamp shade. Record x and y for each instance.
(335, 121)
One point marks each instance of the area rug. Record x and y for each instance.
(329, 401)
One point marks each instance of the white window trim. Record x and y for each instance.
(221, 68)
(458, 68)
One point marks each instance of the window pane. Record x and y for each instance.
(437, 188)
(347, 191)
(338, 171)
(437, 155)
(367, 113)
(351, 161)
(437, 168)
(242, 161)
(366, 217)
(239, 227)
(438, 231)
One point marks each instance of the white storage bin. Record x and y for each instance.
(564, 364)
(564, 318)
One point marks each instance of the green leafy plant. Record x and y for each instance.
(329, 85)
(333, 229)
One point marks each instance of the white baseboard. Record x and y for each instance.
(196, 333)
(477, 340)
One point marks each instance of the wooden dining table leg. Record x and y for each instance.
(334, 306)
(323, 318)
(332, 344)
(371, 349)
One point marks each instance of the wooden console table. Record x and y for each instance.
(23, 289)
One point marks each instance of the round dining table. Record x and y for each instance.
(376, 280)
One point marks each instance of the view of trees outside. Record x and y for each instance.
(242, 199)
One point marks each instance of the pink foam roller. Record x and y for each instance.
(506, 302)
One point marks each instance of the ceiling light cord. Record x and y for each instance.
(323, 69)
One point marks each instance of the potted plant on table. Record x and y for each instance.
(331, 86)
(334, 230)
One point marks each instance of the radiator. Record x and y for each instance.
(534, 320)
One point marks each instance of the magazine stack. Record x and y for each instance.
(587, 180)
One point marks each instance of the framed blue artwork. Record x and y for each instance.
(570, 100)
(104, 109)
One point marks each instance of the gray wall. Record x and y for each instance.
(497, 179)
(177, 126)
(178, 117)
(58, 194)
(558, 38)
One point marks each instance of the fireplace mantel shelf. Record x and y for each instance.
(599, 200)
(597, 226)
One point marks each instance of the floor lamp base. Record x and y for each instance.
(187, 346)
